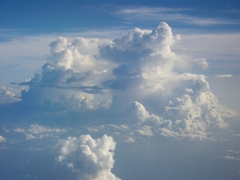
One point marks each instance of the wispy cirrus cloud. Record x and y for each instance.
(178, 15)
(224, 75)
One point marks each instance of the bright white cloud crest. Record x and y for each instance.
(137, 78)
(90, 159)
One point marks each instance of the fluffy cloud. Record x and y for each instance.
(36, 131)
(87, 157)
(136, 80)
(70, 78)
(185, 108)
(140, 54)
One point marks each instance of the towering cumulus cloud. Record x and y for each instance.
(90, 159)
(136, 79)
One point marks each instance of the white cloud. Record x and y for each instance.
(232, 158)
(145, 55)
(232, 155)
(73, 74)
(145, 130)
(120, 127)
(19, 130)
(229, 157)
(90, 159)
(2, 139)
(167, 14)
(8, 95)
(30, 137)
(36, 131)
(130, 140)
(139, 69)
(189, 111)
(224, 76)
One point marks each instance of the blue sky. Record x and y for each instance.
(59, 16)
(119, 89)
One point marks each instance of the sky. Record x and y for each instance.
(116, 90)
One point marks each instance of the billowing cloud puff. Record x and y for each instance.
(136, 79)
(90, 159)
(70, 77)
(144, 55)
(139, 54)
(187, 109)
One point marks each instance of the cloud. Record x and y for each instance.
(87, 157)
(9, 95)
(143, 115)
(145, 55)
(232, 155)
(137, 82)
(130, 140)
(145, 130)
(2, 139)
(167, 14)
(232, 158)
(36, 131)
(224, 76)
(72, 74)
(221, 54)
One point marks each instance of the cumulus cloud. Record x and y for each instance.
(90, 159)
(36, 131)
(2, 139)
(70, 77)
(137, 82)
(140, 54)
